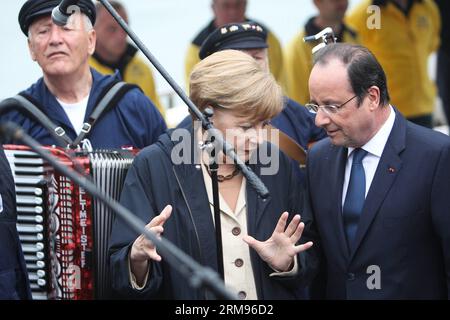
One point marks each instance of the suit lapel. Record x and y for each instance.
(256, 207)
(190, 181)
(387, 170)
(338, 172)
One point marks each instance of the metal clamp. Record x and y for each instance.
(326, 36)
(86, 127)
(60, 131)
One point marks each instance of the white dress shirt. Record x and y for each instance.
(374, 148)
(239, 276)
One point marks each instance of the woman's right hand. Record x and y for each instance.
(143, 249)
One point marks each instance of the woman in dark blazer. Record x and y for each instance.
(264, 243)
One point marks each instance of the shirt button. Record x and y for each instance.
(236, 231)
(242, 295)
(238, 263)
(350, 276)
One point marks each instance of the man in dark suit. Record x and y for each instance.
(379, 186)
(13, 275)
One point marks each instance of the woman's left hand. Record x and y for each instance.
(280, 249)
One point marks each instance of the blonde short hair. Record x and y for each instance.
(233, 80)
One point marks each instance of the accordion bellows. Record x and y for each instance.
(63, 231)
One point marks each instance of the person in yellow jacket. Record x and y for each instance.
(402, 34)
(298, 54)
(113, 52)
(229, 11)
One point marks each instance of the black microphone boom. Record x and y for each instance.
(61, 13)
(214, 137)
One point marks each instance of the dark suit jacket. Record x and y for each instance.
(13, 274)
(153, 182)
(404, 228)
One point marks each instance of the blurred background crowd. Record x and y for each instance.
(170, 30)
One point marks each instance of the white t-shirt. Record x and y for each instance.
(76, 112)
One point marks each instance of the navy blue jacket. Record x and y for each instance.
(404, 229)
(134, 121)
(13, 275)
(153, 182)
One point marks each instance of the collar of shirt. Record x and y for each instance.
(224, 207)
(375, 146)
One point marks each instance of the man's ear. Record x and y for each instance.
(374, 96)
(30, 48)
(92, 39)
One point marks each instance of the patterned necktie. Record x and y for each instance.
(356, 192)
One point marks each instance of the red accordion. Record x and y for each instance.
(64, 231)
